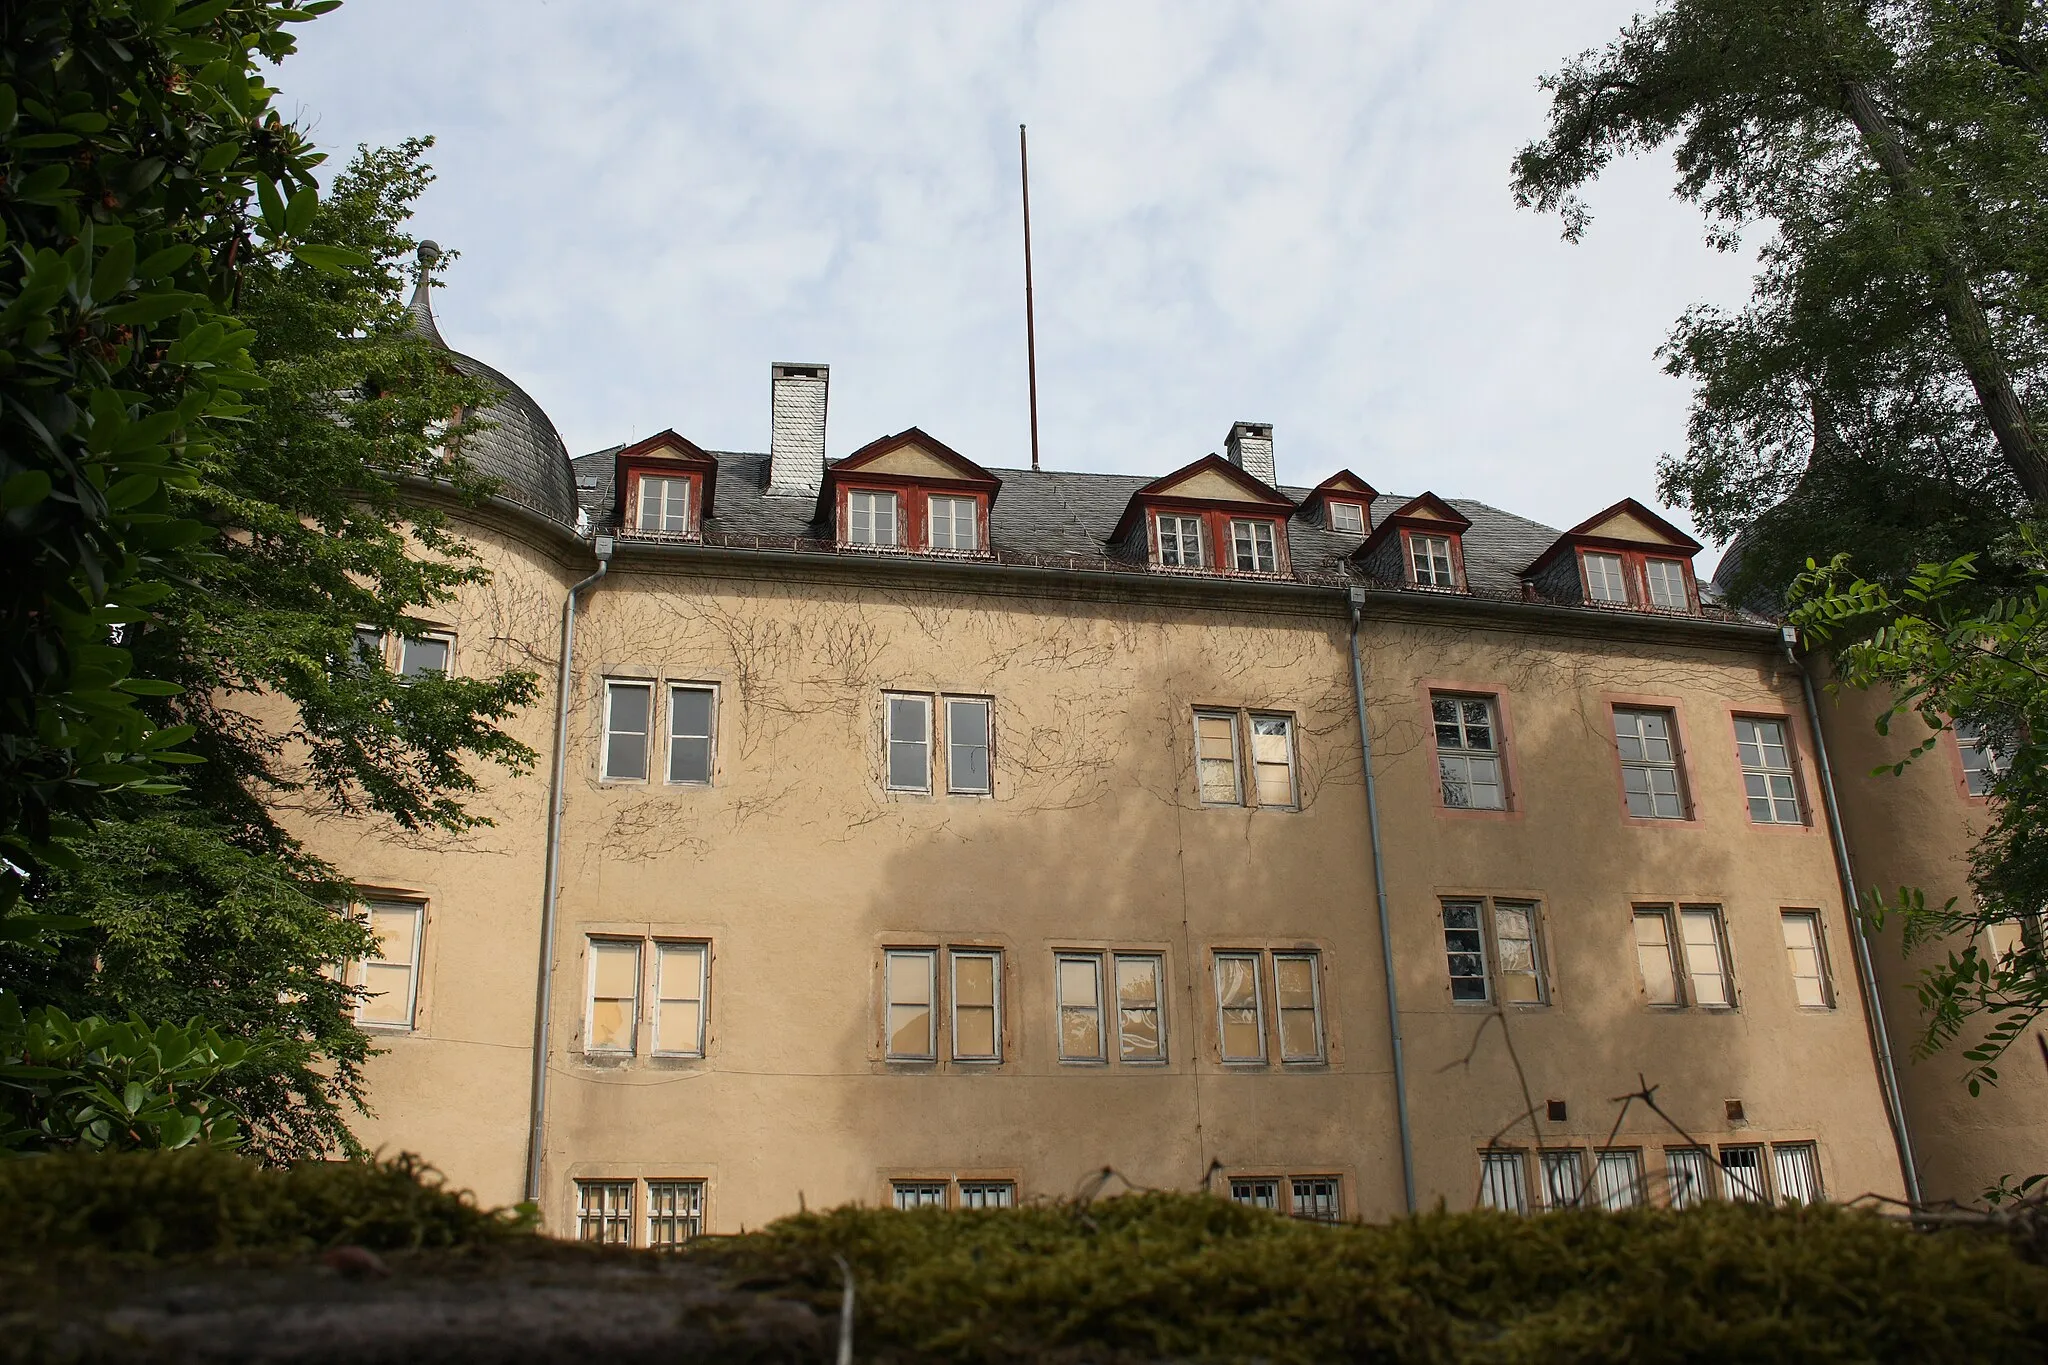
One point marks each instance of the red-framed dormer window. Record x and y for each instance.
(661, 503)
(1434, 559)
(1218, 541)
(1638, 579)
(1179, 540)
(666, 484)
(1346, 518)
(872, 516)
(911, 517)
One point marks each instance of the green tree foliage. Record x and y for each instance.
(1877, 393)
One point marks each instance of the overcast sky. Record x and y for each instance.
(1295, 213)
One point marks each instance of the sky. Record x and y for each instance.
(1295, 213)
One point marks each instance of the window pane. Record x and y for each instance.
(974, 1006)
(1430, 560)
(909, 744)
(614, 995)
(604, 1211)
(1180, 542)
(426, 655)
(1653, 955)
(1273, 759)
(1703, 957)
(1667, 584)
(1503, 1182)
(1802, 953)
(952, 524)
(1514, 937)
(1348, 517)
(987, 1194)
(689, 734)
(664, 504)
(626, 715)
(675, 1211)
(1742, 1172)
(1140, 1037)
(1604, 582)
(370, 646)
(1649, 765)
(679, 1002)
(1257, 1194)
(1316, 1199)
(1296, 999)
(967, 746)
(387, 995)
(920, 1194)
(1252, 547)
(909, 985)
(1080, 998)
(1465, 950)
(1798, 1169)
(1216, 757)
(1618, 1179)
(1243, 1030)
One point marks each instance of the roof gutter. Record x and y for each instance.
(536, 1139)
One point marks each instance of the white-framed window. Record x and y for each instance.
(1216, 757)
(370, 647)
(1502, 933)
(1743, 1175)
(977, 1005)
(1468, 752)
(1273, 760)
(420, 655)
(391, 974)
(1504, 1180)
(1688, 1176)
(682, 974)
(1180, 541)
(1807, 958)
(1706, 957)
(1797, 1165)
(1765, 753)
(1240, 1007)
(1618, 1178)
(987, 1194)
(1253, 547)
(1564, 1177)
(1983, 762)
(967, 745)
(1141, 1006)
(664, 504)
(871, 518)
(692, 722)
(628, 721)
(951, 524)
(908, 739)
(1429, 560)
(1298, 1004)
(1347, 518)
(919, 1194)
(675, 1212)
(1465, 949)
(1649, 764)
(611, 1019)
(911, 984)
(1666, 579)
(604, 1211)
(1606, 580)
(1316, 1198)
(1078, 981)
(1656, 956)
(1255, 1192)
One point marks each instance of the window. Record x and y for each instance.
(1514, 950)
(604, 1211)
(967, 737)
(1688, 1176)
(1240, 1008)
(690, 714)
(614, 996)
(1347, 518)
(391, 972)
(1649, 764)
(369, 648)
(675, 1212)
(1316, 1198)
(1298, 1001)
(987, 1194)
(911, 985)
(1742, 1171)
(1216, 757)
(1666, 578)
(977, 1006)
(1429, 558)
(627, 711)
(919, 1194)
(909, 725)
(1767, 771)
(1983, 763)
(1654, 957)
(1706, 957)
(1798, 1170)
(952, 524)
(871, 518)
(1256, 1194)
(1503, 1181)
(1273, 760)
(680, 973)
(424, 654)
(1618, 1179)
(1253, 547)
(1564, 1178)
(664, 504)
(1468, 752)
(1180, 542)
(1140, 1001)
(2010, 937)
(1079, 982)
(1604, 579)
(1804, 955)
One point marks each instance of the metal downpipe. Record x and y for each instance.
(543, 1005)
(1866, 971)
(1379, 882)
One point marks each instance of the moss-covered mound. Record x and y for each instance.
(1150, 1277)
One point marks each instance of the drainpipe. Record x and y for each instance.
(537, 1134)
(1379, 883)
(1866, 973)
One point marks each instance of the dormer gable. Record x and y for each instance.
(909, 492)
(666, 486)
(1420, 544)
(1341, 504)
(1209, 516)
(1624, 556)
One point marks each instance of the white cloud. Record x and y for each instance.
(1289, 212)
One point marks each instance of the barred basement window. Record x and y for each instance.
(1503, 1180)
(1688, 1176)
(919, 1194)
(987, 1194)
(1618, 1179)
(1256, 1194)
(1564, 1177)
(1798, 1165)
(1767, 777)
(675, 1212)
(1468, 752)
(1742, 1168)
(1317, 1199)
(604, 1211)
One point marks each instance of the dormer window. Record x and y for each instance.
(952, 525)
(1180, 542)
(871, 518)
(666, 485)
(908, 493)
(1605, 581)
(1626, 556)
(1347, 518)
(663, 504)
(1429, 559)
(1254, 547)
(1666, 578)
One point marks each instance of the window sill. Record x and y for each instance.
(390, 1030)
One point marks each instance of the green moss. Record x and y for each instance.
(1182, 1276)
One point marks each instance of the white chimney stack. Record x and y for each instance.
(796, 440)
(1250, 448)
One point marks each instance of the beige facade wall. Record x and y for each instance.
(800, 868)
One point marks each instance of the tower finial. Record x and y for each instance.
(422, 306)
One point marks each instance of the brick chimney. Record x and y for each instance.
(1250, 447)
(796, 440)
